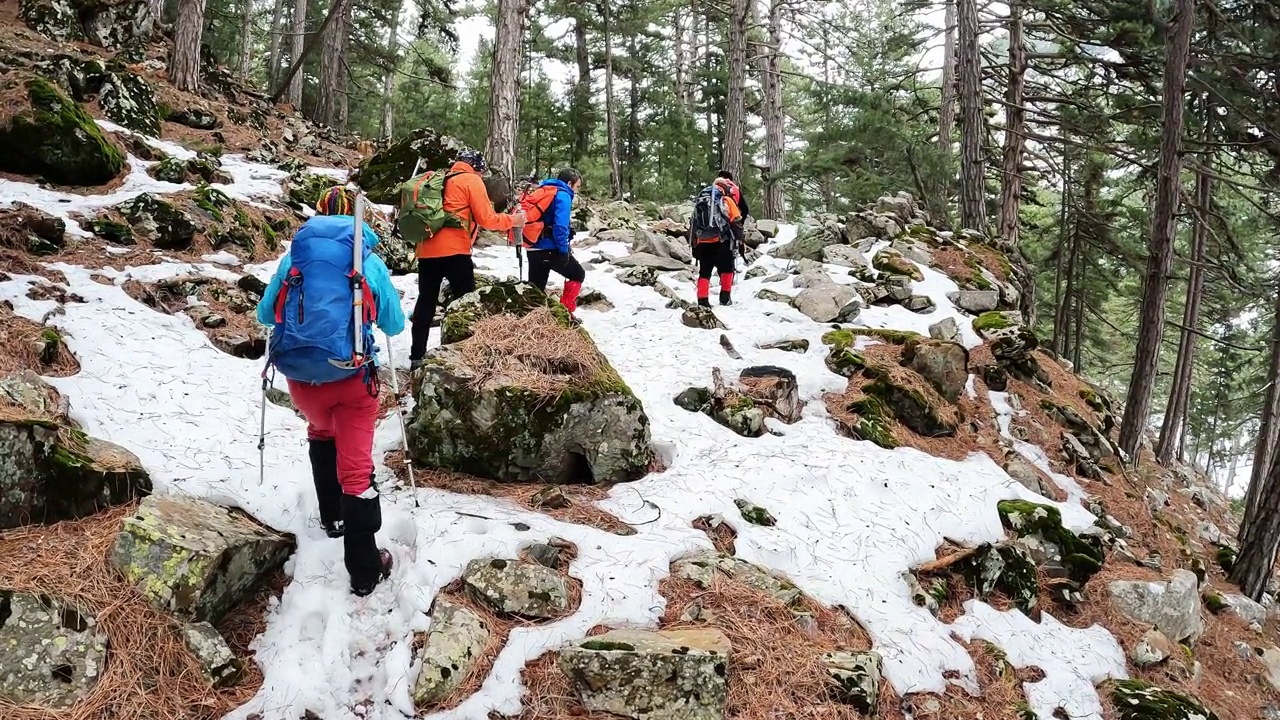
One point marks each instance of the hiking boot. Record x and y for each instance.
(415, 364)
(573, 319)
(704, 302)
(724, 298)
(332, 529)
(385, 562)
(324, 474)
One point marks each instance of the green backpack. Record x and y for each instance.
(422, 212)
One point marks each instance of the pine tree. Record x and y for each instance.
(184, 67)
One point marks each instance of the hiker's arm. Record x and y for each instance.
(390, 314)
(267, 306)
(561, 227)
(482, 207)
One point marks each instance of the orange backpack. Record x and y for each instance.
(534, 203)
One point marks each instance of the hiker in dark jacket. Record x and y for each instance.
(716, 238)
(547, 239)
(340, 404)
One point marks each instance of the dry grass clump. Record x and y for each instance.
(148, 674)
(774, 671)
(1000, 686)
(723, 536)
(582, 509)
(534, 351)
(21, 341)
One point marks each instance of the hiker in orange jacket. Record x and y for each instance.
(447, 254)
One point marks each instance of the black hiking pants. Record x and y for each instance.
(542, 262)
(461, 274)
(714, 258)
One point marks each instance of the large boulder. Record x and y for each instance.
(810, 241)
(49, 469)
(652, 243)
(380, 174)
(165, 224)
(516, 587)
(945, 364)
(767, 228)
(129, 101)
(649, 260)
(1173, 606)
(449, 651)
(667, 675)
(52, 137)
(52, 653)
(110, 24)
(470, 419)
(1070, 560)
(194, 559)
(825, 300)
(752, 236)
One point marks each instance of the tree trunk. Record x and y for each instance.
(389, 79)
(973, 211)
(947, 111)
(157, 10)
(297, 51)
(333, 72)
(735, 114)
(583, 122)
(184, 67)
(246, 38)
(1259, 539)
(1268, 425)
(1014, 129)
(706, 88)
(504, 87)
(615, 167)
(1061, 274)
(1163, 227)
(277, 32)
(633, 115)
(773, 117)
(1175, 414)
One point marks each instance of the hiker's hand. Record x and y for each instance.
(518, 219)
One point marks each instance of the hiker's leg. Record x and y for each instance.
(355, 412)
(724, 266)
(424, 310)
(568, 266)
(315, 403)
(461, 272)
(705, 253)
(539, 267)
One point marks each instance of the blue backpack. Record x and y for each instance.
(313, 340)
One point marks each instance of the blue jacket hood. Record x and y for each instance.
(338, 226)
(553, 182)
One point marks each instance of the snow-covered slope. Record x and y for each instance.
(852, 517)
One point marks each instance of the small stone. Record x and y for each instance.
(545, 555)
(858, 678)
(975, 302)
(755, 514)
(213, 320)
(797, 345)
(220, 666)
(453, 645)
(945, 329)
(517, 588)
(1173, 607)
(701, 317)
(551, 497)
(1153, 649)
(922, 304)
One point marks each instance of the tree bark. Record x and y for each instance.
(583, 122)
(1062, 275)
(1163, 227)
(1268, 427)
(295, 65)
(246, 38)
(298, 51)
(973, 211)
(1259, 539)
(947, 110)
(333, 71)
(735, 117)
(773, 117)
(504, 87)
(1175, 414)
(184, 67)
(157, 10)
(615, 166)
(277, 32)
(633, 115)
(1014, 129)
(389, 79)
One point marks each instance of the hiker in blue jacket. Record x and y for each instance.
(309, 305)
(547, 235)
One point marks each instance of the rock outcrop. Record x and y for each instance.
(384, 171)
(667, 675)
(52, 653)
(49, 469)
(109, 25)
(1173, 607)
(51, 137)
(194, 559)
(470, 420)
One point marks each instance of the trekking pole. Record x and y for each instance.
(262, 422)
(404, 434)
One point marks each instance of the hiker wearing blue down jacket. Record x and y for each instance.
(309, 305)
(548, 232)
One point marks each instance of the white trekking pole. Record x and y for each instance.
(404, 434)
(262, 422)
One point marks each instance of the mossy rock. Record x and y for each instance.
(1226, 557)
(845, 362)
(111, 230)
(130, 102)
(173, 228)
(994, 320)
(381, 174)
(845, 337)
(873, 423)
(170, 170)
(305, 188)
(57, 140)
(892, 262)
(755, 514)
(913, 408)
(212, 200)
(500, 298)
(1002, 569)
(1139, 700)
(1082, 556)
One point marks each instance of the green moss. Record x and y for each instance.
(893, 263)
(1139, 700)
(211, 200)
(1226, 558)
(845, 337)
(873, 424)
(170, 170)
(845, 363)
(1214, 602)
(1002, 569)
(242, 218)
(994, 320)
(56, 139)
(1082, 557)
(607, 646)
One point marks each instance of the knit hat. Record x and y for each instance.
(474, 158)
